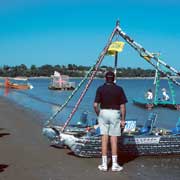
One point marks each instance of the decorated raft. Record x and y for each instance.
(150, 104)
(146, 140)
(168, 101)
(61, 82)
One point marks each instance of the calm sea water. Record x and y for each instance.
(46, 101)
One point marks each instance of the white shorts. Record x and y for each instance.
(109, 122)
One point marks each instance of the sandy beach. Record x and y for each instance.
(26, 155)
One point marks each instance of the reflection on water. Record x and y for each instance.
(47, 102)
(6, 91)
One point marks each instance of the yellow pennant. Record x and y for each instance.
(116, 46)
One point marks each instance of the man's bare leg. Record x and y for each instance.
(103, 166)
(104, 144)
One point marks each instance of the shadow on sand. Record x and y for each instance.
(3, 167)
(123, 158)
(4, 134)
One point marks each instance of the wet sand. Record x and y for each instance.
(26, 155)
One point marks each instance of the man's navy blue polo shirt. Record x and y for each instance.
(110, 96)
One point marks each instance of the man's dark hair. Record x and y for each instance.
(110, 76)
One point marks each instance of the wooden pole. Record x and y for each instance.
(115, 66)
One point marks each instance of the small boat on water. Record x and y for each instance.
(150, 104)
(17, 83)
(158, 100)
(61, 82)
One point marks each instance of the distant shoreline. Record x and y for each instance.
(45, 77)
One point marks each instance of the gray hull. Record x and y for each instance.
(134, 145)
(85, 145)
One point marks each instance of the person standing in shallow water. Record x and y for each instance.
(110, 107)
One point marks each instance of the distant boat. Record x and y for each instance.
(61, 82)
(17, 83)
(156, 101)
(150, 104)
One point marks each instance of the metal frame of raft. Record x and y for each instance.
(147, 140)
(139, 144)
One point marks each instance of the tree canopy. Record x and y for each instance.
(71, 70)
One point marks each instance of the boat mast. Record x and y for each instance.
(116, 57)
(100, 59)
(157, 84)
(172, 91)
(156, 81)
(149, 57)
(115, 66)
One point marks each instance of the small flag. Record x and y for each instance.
(116, 46)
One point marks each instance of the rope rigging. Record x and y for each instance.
(149, 56)
(100, 59)
(93, 70)
(91, 73)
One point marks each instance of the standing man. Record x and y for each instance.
(110, 108)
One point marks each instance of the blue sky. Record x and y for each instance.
(75, 31)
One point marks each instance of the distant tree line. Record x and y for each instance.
(71, 70)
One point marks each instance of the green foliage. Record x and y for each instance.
(71, 70)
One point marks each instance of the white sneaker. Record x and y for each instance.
(102, 167)
(116, 167)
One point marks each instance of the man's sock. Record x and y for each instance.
(114, 159)
(104, 160)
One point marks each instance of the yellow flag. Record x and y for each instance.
(116, 46)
